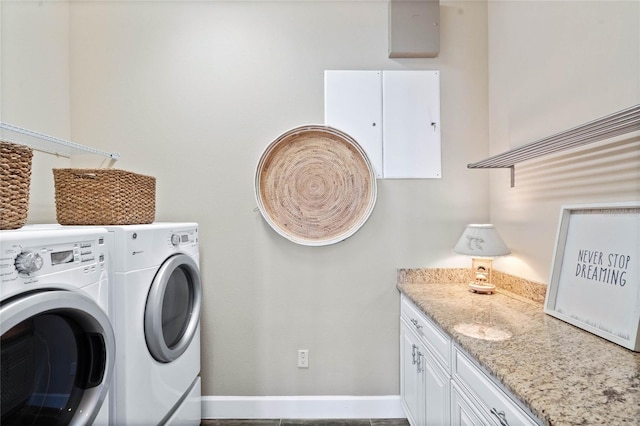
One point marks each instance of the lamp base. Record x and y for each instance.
(486, 288)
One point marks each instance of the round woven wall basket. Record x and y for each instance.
(315, 185)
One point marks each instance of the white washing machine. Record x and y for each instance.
(157, 296)
(58, 345)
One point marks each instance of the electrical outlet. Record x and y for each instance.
(303, 358)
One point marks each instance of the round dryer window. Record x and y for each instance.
(315, 185)
(172, 313)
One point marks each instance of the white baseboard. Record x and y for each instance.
(302, 407)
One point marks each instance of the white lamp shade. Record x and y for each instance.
(481, 240)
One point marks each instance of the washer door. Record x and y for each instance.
(172, 312)
(57, 352)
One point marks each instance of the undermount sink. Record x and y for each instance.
(482, 332)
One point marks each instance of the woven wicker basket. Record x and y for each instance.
(15, 179)
(104, 197)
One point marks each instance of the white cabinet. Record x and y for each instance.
(425, 384)
(493, 404)
(437, 383)
(411, 376)
(393, 115)
(463, 411)
(424, 376)
(441, 385)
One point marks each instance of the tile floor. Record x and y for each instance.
(307, 422)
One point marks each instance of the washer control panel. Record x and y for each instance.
(28, 262)
(24, 260)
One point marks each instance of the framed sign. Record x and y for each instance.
(595, 277)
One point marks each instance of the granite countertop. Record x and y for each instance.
(562, 373)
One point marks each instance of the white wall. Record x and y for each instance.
(552, 66)
(192, 92)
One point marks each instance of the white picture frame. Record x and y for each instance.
(595, 274)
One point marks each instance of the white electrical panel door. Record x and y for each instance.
(393, 115)
(353, 104)
(411, 124)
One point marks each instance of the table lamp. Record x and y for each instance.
(482, 242)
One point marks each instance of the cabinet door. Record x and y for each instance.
(435, 339)
(462, 413)
(412, 386)
(353, 104)
(437, 383)
(411, 118)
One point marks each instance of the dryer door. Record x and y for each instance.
(172, 312)
(57, 353)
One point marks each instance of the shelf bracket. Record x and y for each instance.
(513, 176)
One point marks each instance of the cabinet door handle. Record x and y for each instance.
(413, 354)
(419, 362)
(502, 418)
(415, 322)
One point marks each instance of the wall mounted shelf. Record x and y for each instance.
(616, 124)
(49, 144)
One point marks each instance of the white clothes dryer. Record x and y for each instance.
(58, 345)
(157, 296)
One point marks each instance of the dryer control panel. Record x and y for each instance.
(183, 237)
(136, 247)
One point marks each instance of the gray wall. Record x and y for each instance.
(553, 66)
(192, 93)
(35, 86)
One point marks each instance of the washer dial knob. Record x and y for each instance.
(175, 239)
(29, 262)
